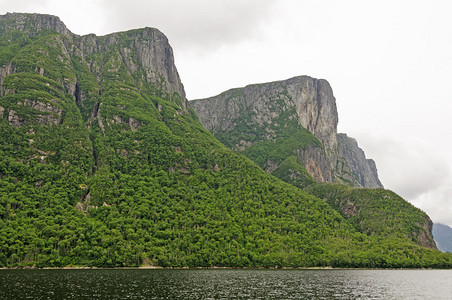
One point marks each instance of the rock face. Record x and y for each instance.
(365, 170)
(146, 50)
(258, 112)
(32, 24)
(311, 99)
(144, 55)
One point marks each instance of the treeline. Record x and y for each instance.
(127, 176)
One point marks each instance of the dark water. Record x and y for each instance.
(225, 284)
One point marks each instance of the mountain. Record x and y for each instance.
(104, 163)
(289, 128)
(290, 125)
(443, 237)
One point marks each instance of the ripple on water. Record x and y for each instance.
(225, 284)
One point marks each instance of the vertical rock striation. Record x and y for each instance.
(32, 24)
(145, 54)
(144, 50)
(260, 112)
(364, 170)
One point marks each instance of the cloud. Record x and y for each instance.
(200, 24)
(409, 166)
(21, 5)
(80, 17)
(415, 169)
(437, 203)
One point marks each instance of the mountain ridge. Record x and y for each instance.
(269, 107)
(103, 163)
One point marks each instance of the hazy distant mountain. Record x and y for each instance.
(443, 237)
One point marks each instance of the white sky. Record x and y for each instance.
(389, 63)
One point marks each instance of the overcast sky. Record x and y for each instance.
(389, 63)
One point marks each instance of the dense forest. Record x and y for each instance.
(102, 164)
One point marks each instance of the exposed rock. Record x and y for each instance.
(269, 106)
(156, 55)
(149, 50)
(425, 236)
(364, 170)
(270, 166)
(313, 99)
(178, 149)
(349, 209)
(243, 144)
(81, 207)
(123, 153)
(1, 111)
(316, 163)
(95, 116)
(53, 113)
(116, 120)
(215, 168)
(307, 100)
(134, 124)
(5, 70)
(40, 23)
(14, 119)
(100, 123)
(143, 51)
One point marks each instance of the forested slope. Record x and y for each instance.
(103, 163)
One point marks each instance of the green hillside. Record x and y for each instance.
(102, 163)
(377, 212)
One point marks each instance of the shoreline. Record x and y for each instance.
(209, 268)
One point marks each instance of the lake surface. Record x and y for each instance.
(225, 284)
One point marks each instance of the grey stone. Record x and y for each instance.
(314, 107)
(363, 169)
(32, 24)
(153, 54)
(14, 119)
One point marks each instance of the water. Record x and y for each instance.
(225, 284)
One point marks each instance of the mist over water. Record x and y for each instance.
(225, 284)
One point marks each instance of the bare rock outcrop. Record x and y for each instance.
(363, 169)
(146, 50)
(261, 110)
(269, 106)
(32, 24)
(145, 54)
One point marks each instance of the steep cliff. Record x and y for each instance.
(364, 170)
(143, 55)
(272, 113)
(32, 24)
(103, 163)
